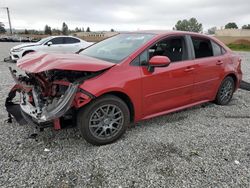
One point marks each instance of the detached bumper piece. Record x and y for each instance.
(13, 108)
(245, 85)
(39, 113)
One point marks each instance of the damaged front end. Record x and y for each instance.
(47, 98)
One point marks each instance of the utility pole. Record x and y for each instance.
(8, 13)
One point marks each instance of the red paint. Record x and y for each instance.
(167, 89)
(57, 125)
(159, 61)
(38, 62)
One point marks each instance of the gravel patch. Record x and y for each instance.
(205, 146)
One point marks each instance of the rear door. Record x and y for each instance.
(209, 60)
(167, 87)
(72, 45)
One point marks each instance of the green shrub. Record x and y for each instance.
(239, 47)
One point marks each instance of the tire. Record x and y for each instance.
(225, 92)
(104, 120)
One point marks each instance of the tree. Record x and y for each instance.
(231, 25)
(212, 30)
(47, 30)
(246, 26)
(78, 29)
(65, 29)
(2, 29)
(26, 32)
(188, 25)
(56, 31)
(112, 30)
(88, 29)
(83, 29)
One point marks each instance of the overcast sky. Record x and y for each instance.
(123, 15)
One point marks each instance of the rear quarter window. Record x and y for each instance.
(217, 49)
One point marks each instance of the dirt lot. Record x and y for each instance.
(229, 39)
(205, 146)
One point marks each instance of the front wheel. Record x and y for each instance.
(225, 92)
(104, 120)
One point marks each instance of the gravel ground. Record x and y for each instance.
(205, 146)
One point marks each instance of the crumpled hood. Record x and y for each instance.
(25, 45)
(38, 62)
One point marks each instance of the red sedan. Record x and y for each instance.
(123, 79)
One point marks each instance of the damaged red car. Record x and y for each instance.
(123, 79)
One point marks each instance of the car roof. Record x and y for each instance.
(161, 33)
(166, 32)
(55, 36)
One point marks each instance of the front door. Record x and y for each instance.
(167, 88)
(72, 45)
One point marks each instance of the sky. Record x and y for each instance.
(123, 15)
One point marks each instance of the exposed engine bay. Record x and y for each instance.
(47, 96)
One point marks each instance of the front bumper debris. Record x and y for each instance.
(245, 85)
(26, 111)
(52, 111)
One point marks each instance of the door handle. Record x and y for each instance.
(219, 62)
(188, 69)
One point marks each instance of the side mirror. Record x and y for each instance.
(49, 43)
(158, 61)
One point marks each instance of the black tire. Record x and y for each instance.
(98, 118)
(25, 53)
(245, 85)
(225, 92)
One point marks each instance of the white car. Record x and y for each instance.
(53, 44)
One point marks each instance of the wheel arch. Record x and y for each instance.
(233, 75)
(27, 51)
(126, 99)
(229, 74)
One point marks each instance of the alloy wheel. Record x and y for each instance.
(106, 121)
(226, 91)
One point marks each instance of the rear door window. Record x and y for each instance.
(202, 47)
(70, 40)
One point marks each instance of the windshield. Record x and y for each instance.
(116, 48)
(44, 40)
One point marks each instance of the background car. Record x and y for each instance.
(123, 79)
(53, 44)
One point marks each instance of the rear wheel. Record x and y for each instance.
(104, 120)
(225, 92)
